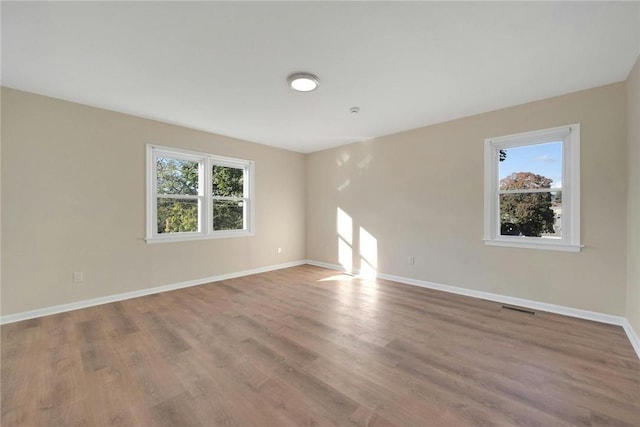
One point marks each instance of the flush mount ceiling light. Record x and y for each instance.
(303, 82)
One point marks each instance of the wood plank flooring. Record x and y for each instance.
(307, 346)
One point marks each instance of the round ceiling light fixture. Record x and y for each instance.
(303, 82)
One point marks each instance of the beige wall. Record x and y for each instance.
(73, 200)
(420, 193)
(73, 191)
(633, 198)
(0, 199)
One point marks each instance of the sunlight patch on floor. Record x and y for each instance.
(338, 277)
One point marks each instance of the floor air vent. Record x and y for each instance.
(522, 310)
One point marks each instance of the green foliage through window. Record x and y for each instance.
(176, 176)
(177, 216)
(227, 181)
(228, 191)
(527, 214)
(178, 195)
(532, 189)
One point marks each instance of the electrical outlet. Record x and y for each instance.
(78, 277)
(279, 250)
(412, 260)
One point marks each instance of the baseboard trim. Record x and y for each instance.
(633, 336)
(536, 305)
(25, 315)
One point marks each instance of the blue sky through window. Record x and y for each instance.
(541, 159)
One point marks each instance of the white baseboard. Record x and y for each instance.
(552, 308)
(633, 336)
(536, 305)
(25, 315)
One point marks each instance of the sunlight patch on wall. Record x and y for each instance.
(368, 254)
(366, 247)
(345, 255)
(344, 225)
(344, 185)
(364, 163)
(344, 158)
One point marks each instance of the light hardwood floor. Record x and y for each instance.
(309, 346)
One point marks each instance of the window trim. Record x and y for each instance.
(205, 196)
(570, 137)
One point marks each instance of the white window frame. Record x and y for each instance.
(570, 137)
(205, 195)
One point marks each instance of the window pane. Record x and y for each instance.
(177, 215)
(531, 214)
(531, 166)
(227, 181)
(228, 215)
(176, 176)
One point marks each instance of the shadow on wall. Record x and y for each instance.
(367, 247)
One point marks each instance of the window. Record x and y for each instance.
(193, 195)
(532, 189)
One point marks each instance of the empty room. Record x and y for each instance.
(320, 213)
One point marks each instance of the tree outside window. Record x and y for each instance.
(532, 189)
(180, 206)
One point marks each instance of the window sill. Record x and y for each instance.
(534, 245)
(186, 238)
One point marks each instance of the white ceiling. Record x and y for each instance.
(222, 66)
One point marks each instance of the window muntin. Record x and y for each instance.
(192, 195)
(532, 189)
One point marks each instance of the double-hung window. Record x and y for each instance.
(532, 189)
(193, 195)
